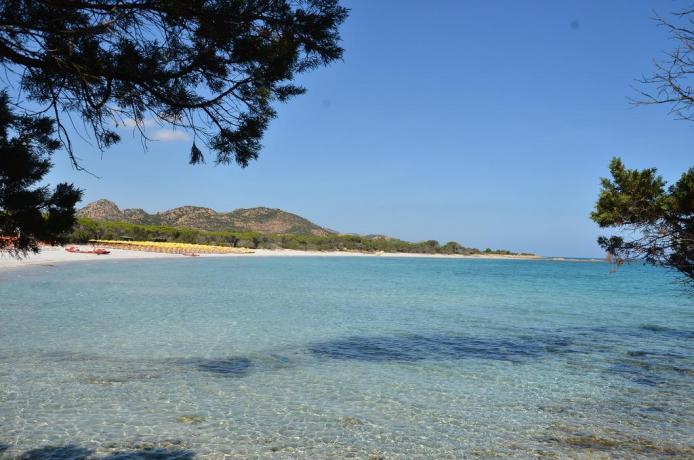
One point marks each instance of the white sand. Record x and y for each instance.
(55, 255)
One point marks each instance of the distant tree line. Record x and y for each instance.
(89, 229)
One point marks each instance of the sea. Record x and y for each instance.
(345, 357)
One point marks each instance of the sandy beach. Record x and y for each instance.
(57, 255)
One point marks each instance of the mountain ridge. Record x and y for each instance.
(259, 219)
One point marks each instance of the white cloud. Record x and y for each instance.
(162, 134)
(130, 123)
(168, 135)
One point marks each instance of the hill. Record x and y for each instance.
(261, 220)
(259, 228)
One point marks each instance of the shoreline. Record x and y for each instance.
(58, 255)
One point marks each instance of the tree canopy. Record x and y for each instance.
(212, 67)
(656, 222)
(29, 216)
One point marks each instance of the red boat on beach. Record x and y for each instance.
(97, 251)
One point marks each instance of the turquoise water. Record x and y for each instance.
(345, 358)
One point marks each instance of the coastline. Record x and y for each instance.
(58, 255)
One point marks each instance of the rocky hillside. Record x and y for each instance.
(263, 220)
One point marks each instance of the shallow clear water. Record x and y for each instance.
(345, 357)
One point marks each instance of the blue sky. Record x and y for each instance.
(487, 123)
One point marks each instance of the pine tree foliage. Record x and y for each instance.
(30, 214)
(213, 67)
(655, 221)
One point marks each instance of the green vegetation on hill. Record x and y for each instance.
(88, 229)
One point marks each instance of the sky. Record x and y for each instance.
(487, 123)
